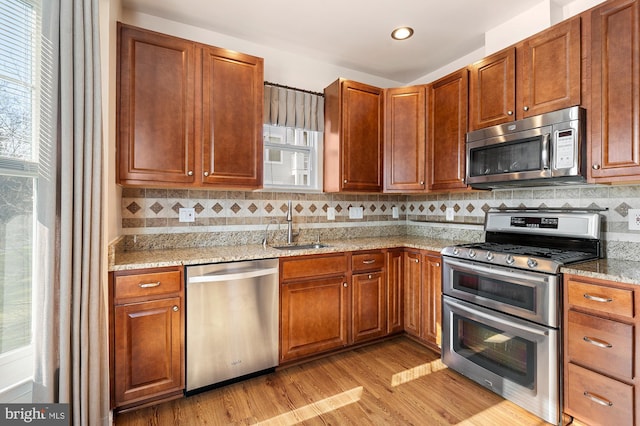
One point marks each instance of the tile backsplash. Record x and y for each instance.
(150, 216)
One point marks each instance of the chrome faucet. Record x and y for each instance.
(290, 233)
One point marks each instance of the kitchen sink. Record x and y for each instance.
(301, 246)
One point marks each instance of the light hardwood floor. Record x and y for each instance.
(395, 382)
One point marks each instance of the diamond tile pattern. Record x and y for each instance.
(156, 207)
(134, 207)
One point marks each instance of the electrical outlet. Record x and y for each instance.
(394, 212)
(331, 213)
(356, 212)
(449, 213)
(187, 215)
(634, 219)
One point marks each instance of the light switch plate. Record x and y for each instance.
(449, 213)
(356, 212)
(187, 215)
(394, 212)
(634, 219)
(331, 213)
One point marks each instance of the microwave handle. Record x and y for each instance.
(546, 151)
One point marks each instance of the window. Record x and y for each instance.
(292, 158)
(19, 94)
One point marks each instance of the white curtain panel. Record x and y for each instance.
(285, 106)
(71, 319)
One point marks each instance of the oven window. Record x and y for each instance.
(508, 157)
(506, 292)
(504, 354)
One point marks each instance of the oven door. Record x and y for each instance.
(530, 295)
(515, 358)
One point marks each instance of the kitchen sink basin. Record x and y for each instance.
(301, 246)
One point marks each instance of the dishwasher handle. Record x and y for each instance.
(232, 275)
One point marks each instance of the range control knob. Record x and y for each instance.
(456, 251)
(489, 255)
(472, 253)
(509, 259)
(532, 263)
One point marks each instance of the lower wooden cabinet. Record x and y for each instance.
(147, 336)
(422, 296)
(395, 291)
(601, 328)
(331, 301)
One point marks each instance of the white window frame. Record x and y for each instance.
(283, 139)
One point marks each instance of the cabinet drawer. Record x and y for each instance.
(149, 284)
(601, 344)
(313, 266)
(367, 261)
(608, 300)
(596, 399)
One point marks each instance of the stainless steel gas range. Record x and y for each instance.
(502, 304)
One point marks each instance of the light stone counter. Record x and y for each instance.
(128, 260)
(623, 271)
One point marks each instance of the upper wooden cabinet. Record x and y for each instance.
(614, 114)
(448, 100)
(187, 114)
(353, 137)
(405, 139)
(540, 74)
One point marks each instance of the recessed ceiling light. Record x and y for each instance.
(402, 33)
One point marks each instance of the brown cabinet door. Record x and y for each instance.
(448, 101)
(615, 92)
(353, 137)
(548, 75)
(155, 119)
(148, 353)
(492, 90)
(232, 109)
(405, 139)
(412, 292)
(432, 292)
(368, 317)
(395, 283)
(313, 317)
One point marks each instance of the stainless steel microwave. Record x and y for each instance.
(546, 149)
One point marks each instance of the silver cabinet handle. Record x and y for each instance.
(370, 276)
(344, 284)
(149, 285)
(416, 260)
(175, 308)
(509, 112)
(437, 263)
(190, 173)
(526, 108)
(598, 399)
(206, 173)
(597, 298)
(596, 167)
(344, 181)
(369, 261)
(421, 182)
(597, 342)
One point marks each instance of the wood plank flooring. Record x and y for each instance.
(395, 382)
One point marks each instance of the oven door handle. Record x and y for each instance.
(477, 268)
(546, 153)
(495, 318)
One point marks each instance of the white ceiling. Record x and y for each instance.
(351, 33)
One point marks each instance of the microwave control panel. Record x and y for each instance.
(565, 149)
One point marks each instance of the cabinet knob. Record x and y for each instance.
(509, 112)
(369, 276)
(596, 167)
(421, 182)
(206, 173)
(190, 173)
(437, 263)
(416, 260)
(344, 284)
(175, 308)
(526, 108)
(344, 181)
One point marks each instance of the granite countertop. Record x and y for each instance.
(623, 271)
(128, 260)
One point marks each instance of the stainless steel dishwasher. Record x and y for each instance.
(232, 322)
